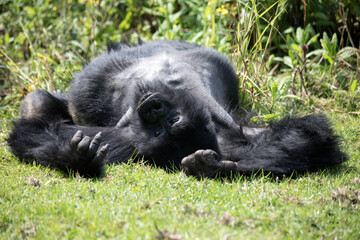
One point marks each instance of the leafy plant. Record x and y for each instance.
(329, 48)
(298, 43)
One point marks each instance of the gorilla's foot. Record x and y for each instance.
(202, 163)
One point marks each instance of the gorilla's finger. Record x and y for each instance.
(78, 136)
(94, 145)
(83, 145)
(188, 160)
(212, 153)
(199, 155)
(211, 157)
(100, 155)
(207, 157)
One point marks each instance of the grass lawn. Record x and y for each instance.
(282, 68)
(136, 201)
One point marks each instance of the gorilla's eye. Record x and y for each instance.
(174, 120)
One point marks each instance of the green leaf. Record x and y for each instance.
(289, 39)
(6, 38)
(317, 52)
(126, 23)
(353, 87)
(270, 60)
(347, 52)
(292, 96)
(285, 85)
(20, 38)
(299, 35)
(47, 58)
(163, 10)
(207, 12)
(325, 42)
(270, 116)
(334, 45)
(296, 48)
(77, 44)
(30, 11)
(329, 58)
(306, 34)
(279, 59)
(321, 16)
(274, 88)
(289, 30)
(313, 39)
(175, 16)
(288, 62)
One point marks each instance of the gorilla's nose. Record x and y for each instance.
(155, 113)
(151, 109)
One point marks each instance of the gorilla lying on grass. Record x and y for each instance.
(167, 102)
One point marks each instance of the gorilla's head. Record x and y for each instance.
(169, 125)
(170, 113)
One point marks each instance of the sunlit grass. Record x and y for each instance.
(45, 43)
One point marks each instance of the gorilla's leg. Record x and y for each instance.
(44, 105)
(207, 163)
(292, 144)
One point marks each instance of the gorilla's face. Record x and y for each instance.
(167, 115)
(157, 113)
(170, 126)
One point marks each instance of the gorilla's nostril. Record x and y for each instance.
(157, 106)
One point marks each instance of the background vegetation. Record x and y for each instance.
(291, 56)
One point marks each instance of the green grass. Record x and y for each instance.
(136, 201)
(43, 43)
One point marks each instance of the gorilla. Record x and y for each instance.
(172, 103)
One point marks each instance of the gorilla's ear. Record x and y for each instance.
(114, 46)
(140, 41)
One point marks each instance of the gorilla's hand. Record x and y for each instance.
(88, 150)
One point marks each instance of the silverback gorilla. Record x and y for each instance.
(168, 102)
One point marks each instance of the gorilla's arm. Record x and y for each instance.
(69, 147)
(290, 145)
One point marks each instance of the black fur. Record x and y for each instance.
(169, 102)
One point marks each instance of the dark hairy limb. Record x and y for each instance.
(45, 105)
(59, 145)
(291, 145)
